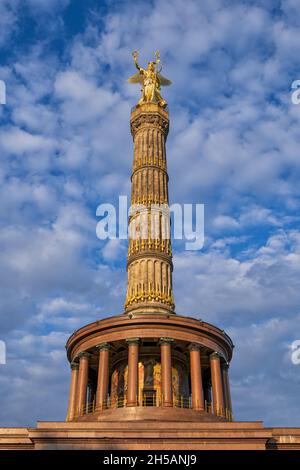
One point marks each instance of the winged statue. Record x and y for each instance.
(151, 80)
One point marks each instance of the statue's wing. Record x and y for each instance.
(163, 81)
(136, 78)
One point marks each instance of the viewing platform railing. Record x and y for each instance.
(152, 401)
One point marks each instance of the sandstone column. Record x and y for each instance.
(82, 381)
(217, 389)
(196, 377)
(149, 262)
(133, 359)
(103, 376)
(73, 389)
(166, 372)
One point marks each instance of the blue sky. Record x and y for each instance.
(65, 148)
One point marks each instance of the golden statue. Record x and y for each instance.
(151, 81)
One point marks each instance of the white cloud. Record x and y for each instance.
(114, 249)
(225, 222)
(66, 147)
(229, 291)
(83, 100)
(8, 16)
(17, 141)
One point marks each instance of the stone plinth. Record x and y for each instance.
(150, 435)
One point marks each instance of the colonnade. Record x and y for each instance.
(200, 394)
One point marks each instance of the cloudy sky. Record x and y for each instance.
(65, 147)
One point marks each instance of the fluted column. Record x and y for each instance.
(196, 377)
(226, 388)
(217, 389)
(166, 371)
(82, 381)
(103, 375)
(149, 241)
(72, 394)
(133, 360)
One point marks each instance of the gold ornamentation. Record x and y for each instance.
(151, 120)
(150, 295)
(135, 246)
(151, 81)
(153, 199)
(139, 163)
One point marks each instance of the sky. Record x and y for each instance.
(65, 148)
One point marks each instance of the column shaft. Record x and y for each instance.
(82, 382)
(166, 372)
(103, 376)
(217, 389)
(133, 359)
(196, 378)
(73, 389)
(226, 388)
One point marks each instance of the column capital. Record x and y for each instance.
(132, 341)
(74, 365)
(225, 365)
(215, 355)
(194, 347)
(83, 354)
(165, 340)
(101, 346)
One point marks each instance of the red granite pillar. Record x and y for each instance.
(103, 376)
(216, 378)
(82, 382)
(133, 359)
(226, 388)
(196, 377)
(73, 390)
(166, 371)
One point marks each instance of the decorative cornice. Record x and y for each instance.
(153, 119)
(182, 328)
